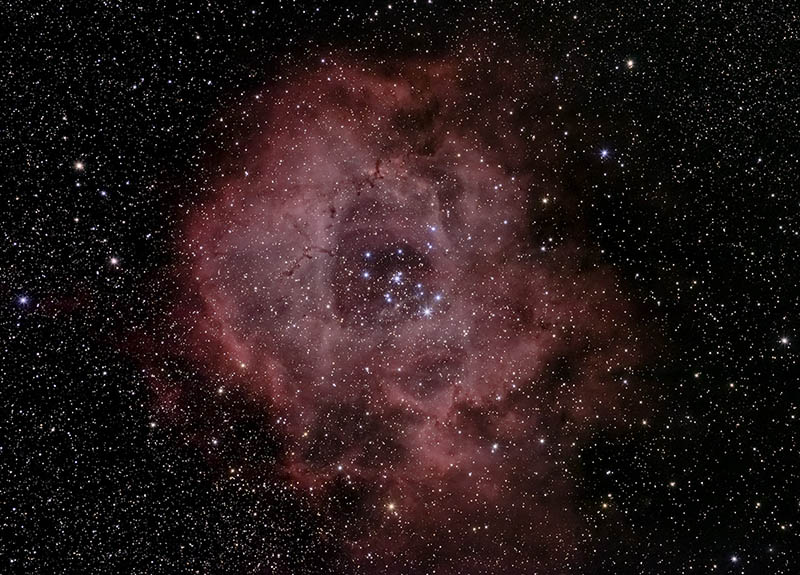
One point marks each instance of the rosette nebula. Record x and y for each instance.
(391, 272)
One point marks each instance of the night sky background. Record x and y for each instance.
(681, 159)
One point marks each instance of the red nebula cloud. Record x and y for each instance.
(372, 270)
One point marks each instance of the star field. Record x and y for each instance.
(407, 287)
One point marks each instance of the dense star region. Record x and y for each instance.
(406, 287)
(377, 273)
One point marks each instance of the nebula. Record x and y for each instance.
(377, 266)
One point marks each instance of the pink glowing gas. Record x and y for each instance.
(370, 269)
